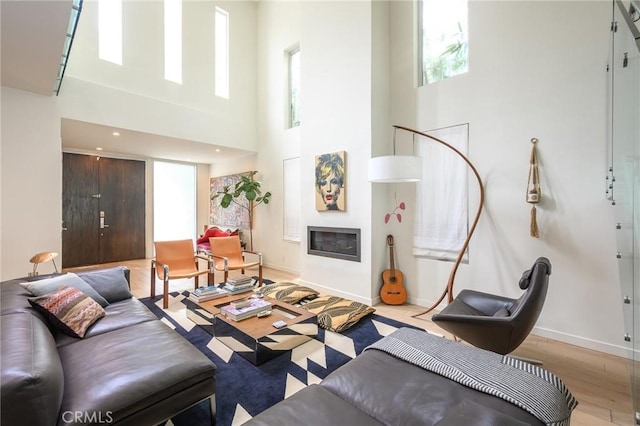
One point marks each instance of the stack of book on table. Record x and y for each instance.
(246, 308)
(239, 284)
(202, 294)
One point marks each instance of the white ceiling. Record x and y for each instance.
(32, 39)
(86, 137)
(33, 34)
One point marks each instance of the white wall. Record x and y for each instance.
(535, 71)
(335, 48)
(279, 31)
(31, 191)
(336, 81)
(136, 96)
(522, 83)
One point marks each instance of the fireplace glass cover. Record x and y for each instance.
(339, 243)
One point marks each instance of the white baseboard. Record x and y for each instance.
(617, 350)
(335, 292)
(583, 342)
(280, 268)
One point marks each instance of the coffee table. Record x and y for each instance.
(255, 339)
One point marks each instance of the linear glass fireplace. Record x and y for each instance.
(339, 243)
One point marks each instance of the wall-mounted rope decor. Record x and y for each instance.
(534, 194)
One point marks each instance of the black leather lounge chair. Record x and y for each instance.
(497, 323)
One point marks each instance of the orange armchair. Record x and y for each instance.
(227, 255)
(176, 259)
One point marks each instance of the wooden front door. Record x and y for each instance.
(103, 210)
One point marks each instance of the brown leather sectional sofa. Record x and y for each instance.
(129, 369)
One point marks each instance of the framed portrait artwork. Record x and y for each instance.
(330, 182)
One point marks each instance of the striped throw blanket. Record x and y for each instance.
(531, 388)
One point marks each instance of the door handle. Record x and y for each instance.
(102, 224)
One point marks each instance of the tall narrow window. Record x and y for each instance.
(222, 53)
(294, 87)
(110, 30)
(173, 40)
(443, 39)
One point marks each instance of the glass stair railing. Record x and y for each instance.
(76, 8)
(623, 179)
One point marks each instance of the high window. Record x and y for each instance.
(173, 40)
(110, 30)
(443, 39)
(294, 87)
(221, 53)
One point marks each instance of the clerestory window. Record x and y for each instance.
(110, 31)
(221, 46)
(294, 87)
(173, 40)
(442, 39)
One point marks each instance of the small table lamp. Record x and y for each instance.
(41, 258)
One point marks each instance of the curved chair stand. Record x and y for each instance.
(497, 323)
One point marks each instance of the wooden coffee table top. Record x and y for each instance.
(254, 326)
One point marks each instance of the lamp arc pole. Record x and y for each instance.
(448, 291)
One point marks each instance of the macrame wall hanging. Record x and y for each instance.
(534, 194)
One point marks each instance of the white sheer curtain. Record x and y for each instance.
(442, 217)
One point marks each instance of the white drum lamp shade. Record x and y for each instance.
(395, 169)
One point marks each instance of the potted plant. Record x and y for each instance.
(246, 193)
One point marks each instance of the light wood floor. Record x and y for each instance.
(599, 381)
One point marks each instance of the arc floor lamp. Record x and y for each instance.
(403, 168)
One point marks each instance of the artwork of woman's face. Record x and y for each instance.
(329, 181)
(330, 190)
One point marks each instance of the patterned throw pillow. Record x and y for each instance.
(337, 314)
(69, 309)
(287, 292)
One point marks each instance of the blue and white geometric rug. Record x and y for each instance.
(243, 390)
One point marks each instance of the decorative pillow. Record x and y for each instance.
(337, 314)
(42, 287)
(109, 283)
(212, 232)
(69, 309)
(287, 292)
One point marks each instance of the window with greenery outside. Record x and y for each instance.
(443, 47)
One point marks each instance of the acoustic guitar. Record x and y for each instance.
(392, 291)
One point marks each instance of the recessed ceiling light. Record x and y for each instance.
(99, 148)
(116, 133)
(217, 149)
